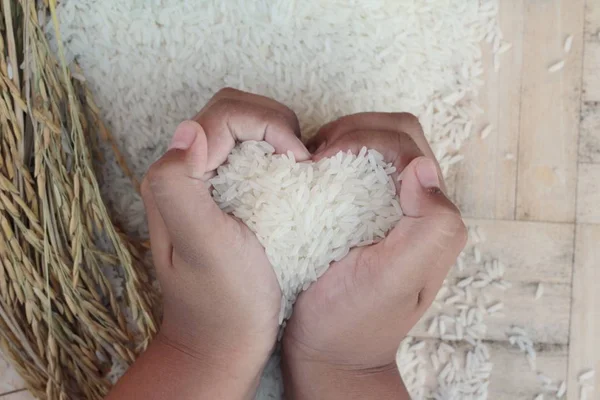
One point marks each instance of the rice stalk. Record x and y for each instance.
(61, 323)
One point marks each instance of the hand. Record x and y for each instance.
(220, 295)
(346, 328)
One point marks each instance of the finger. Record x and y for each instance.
(375, 121)
(180, 194)
(229, 120)
(418, 254)
(252, 98)
(414, 259)
(427, 240)
(361, 121)
(379, 121)
(232, 115)
(315, 143)
(399, 149)
(420, 190)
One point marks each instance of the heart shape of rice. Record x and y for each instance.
(306, 214)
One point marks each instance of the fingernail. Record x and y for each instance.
(184, 136)
(427, 173)
(307, 155)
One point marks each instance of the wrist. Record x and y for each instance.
(220, 371)
(168, 370)
(309, 378)
(217, 345)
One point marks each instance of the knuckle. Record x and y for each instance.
(270, 114)
(218, 101)
(152, 178)
(407, 117)
(410, 122)
(218, 109)
(145, 187)
(227, 92)
(223, 104)
(349, 120)
(275, 119)
(156, 177)
(291, 117)
(452, 226)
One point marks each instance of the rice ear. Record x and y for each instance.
(62, 325)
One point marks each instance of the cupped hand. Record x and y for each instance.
(354, 317)
(220, 293)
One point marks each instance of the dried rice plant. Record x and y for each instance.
(61, 323)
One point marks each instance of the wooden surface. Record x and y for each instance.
(584, 349)
(549, 117)
(556, 187)
(540, 210)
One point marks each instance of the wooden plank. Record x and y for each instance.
(591, 72)
(9, 378)
(545, 320)
(584, 350)
(533, 252)
(485, 182)
(550, 109)
(592, 20)
(511, 376)
(589, 138)
(588, 193)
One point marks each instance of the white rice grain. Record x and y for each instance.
(433, 326)
(495, 308)
(435, 362)
(583, 393)
(446, 348)
(539, 291)
(586, 376)
(485, 132)
(504, 48)
(562, 389)
(463, 283)
(451, 300)
(477, 255)
(568, 44)
(557, 66)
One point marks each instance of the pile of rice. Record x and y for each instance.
(153, 63)
(307, 215)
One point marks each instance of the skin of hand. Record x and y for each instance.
(342, 338)
(220, 295)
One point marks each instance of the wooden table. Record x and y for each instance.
(541, 209)
(533, 185)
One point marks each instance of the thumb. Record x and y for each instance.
(180, 192)
(190, 138)
(426, 241)
(421, 190)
